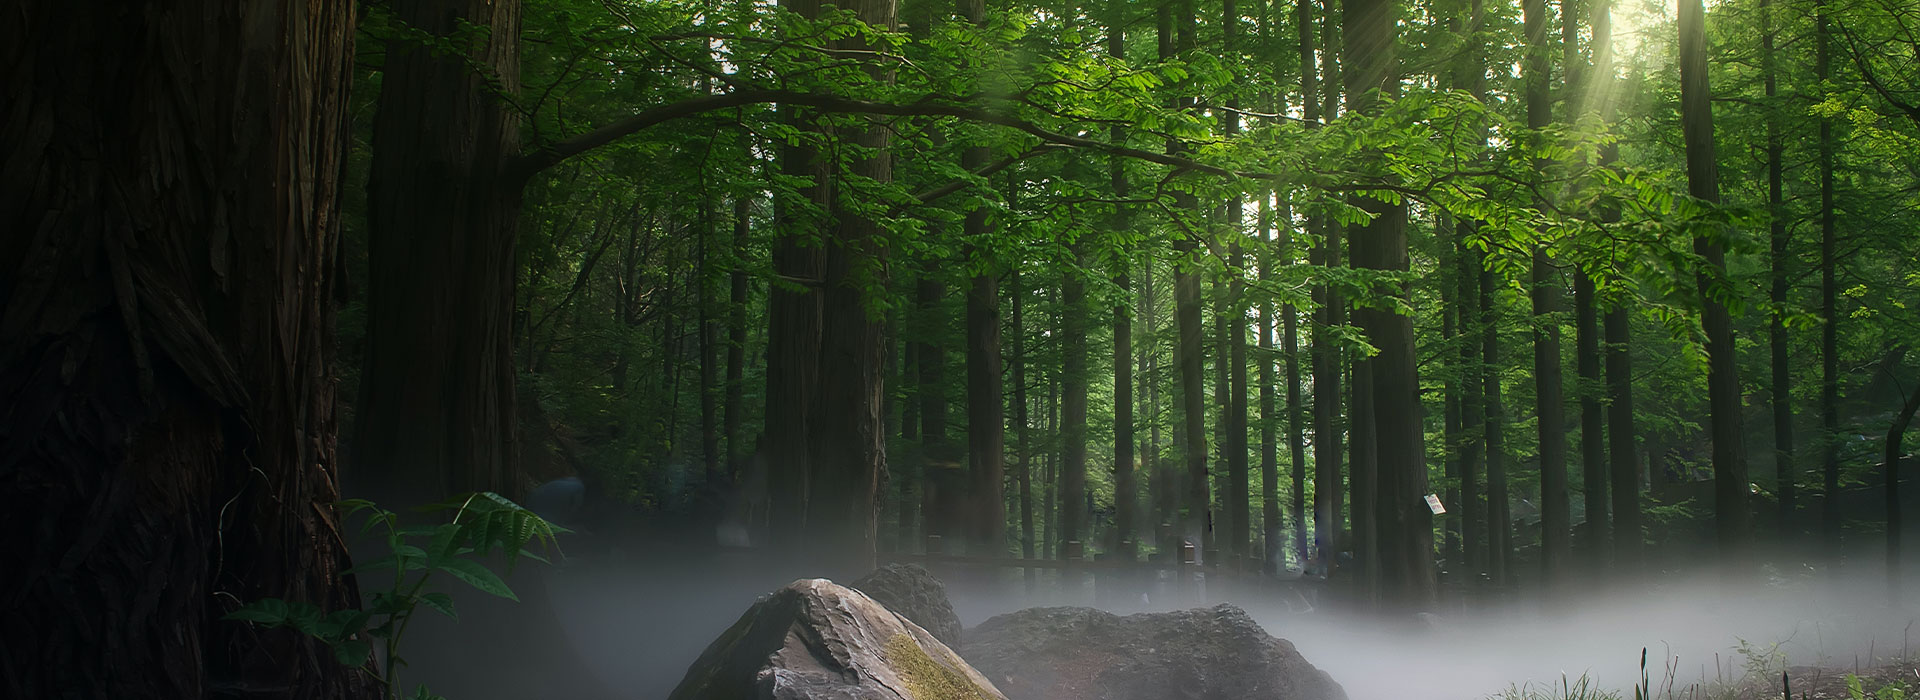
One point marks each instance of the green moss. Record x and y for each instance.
(928, 679)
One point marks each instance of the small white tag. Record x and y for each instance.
(1433, 504)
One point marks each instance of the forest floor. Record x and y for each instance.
(1892, 681)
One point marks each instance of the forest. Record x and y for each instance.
(1401, 324)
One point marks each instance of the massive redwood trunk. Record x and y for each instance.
(169, 196)
(436, 404)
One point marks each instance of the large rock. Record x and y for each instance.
(815, 640)
(909, 590)
(1217, 653)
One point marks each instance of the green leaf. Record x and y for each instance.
(441, 602)
(477, 576)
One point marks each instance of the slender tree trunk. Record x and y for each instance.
(1723, 381)
(1126, 494)
(1452, 423)
(1829, 306)
(1593, 453)
(1548, 393)
(938, 460)
(986, 429)
(1176, 37)
(168, 284)
(736, 406)
(1472, 502)
(1023, 447)
(1073, 408)
(1051, 511)
(1310, 113)
(1786, 470)
(436, 402)
(708, 344)
(1499, 501)
(1274, 552)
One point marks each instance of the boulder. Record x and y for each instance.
(1216, 653)
(816, 640)
(909, 590)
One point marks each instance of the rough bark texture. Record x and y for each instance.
(169, 200)
(436, 402)
(986, 417)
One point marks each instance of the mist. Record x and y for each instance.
(634, 619)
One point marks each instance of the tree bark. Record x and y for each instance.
(1730, 484)
(436, 402)
(1548, 393)
(1403, 523)
(847, 451)
(1786, 469)
(736, 405)
(1073, 407)
(170, 196)
(1829, 306)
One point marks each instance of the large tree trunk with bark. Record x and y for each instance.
(436, 402)
(1403, 524)
(170, 196)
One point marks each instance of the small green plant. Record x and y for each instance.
(1856, 690)
(480, 525)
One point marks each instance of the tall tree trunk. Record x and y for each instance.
(1622, 451)
(1499, 500)
(986, 427)
(736, 407)
(436, 402)
(1178, 21)
(166, 294)
(1548, 394)
(1021, 430)
(1452, 423)
(937, 462)
(986, 418)
(848, 449)
(1473, 417)
(1596, 100)
(1238, 502)
(1073, 408)
(1723, 380)
(1403, 524)
(1593, 453)
(1829, 306)
(1786, 470)
(1126, 494)
(1273, 555)
(708, 344)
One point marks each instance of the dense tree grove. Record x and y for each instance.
(1009, 278)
